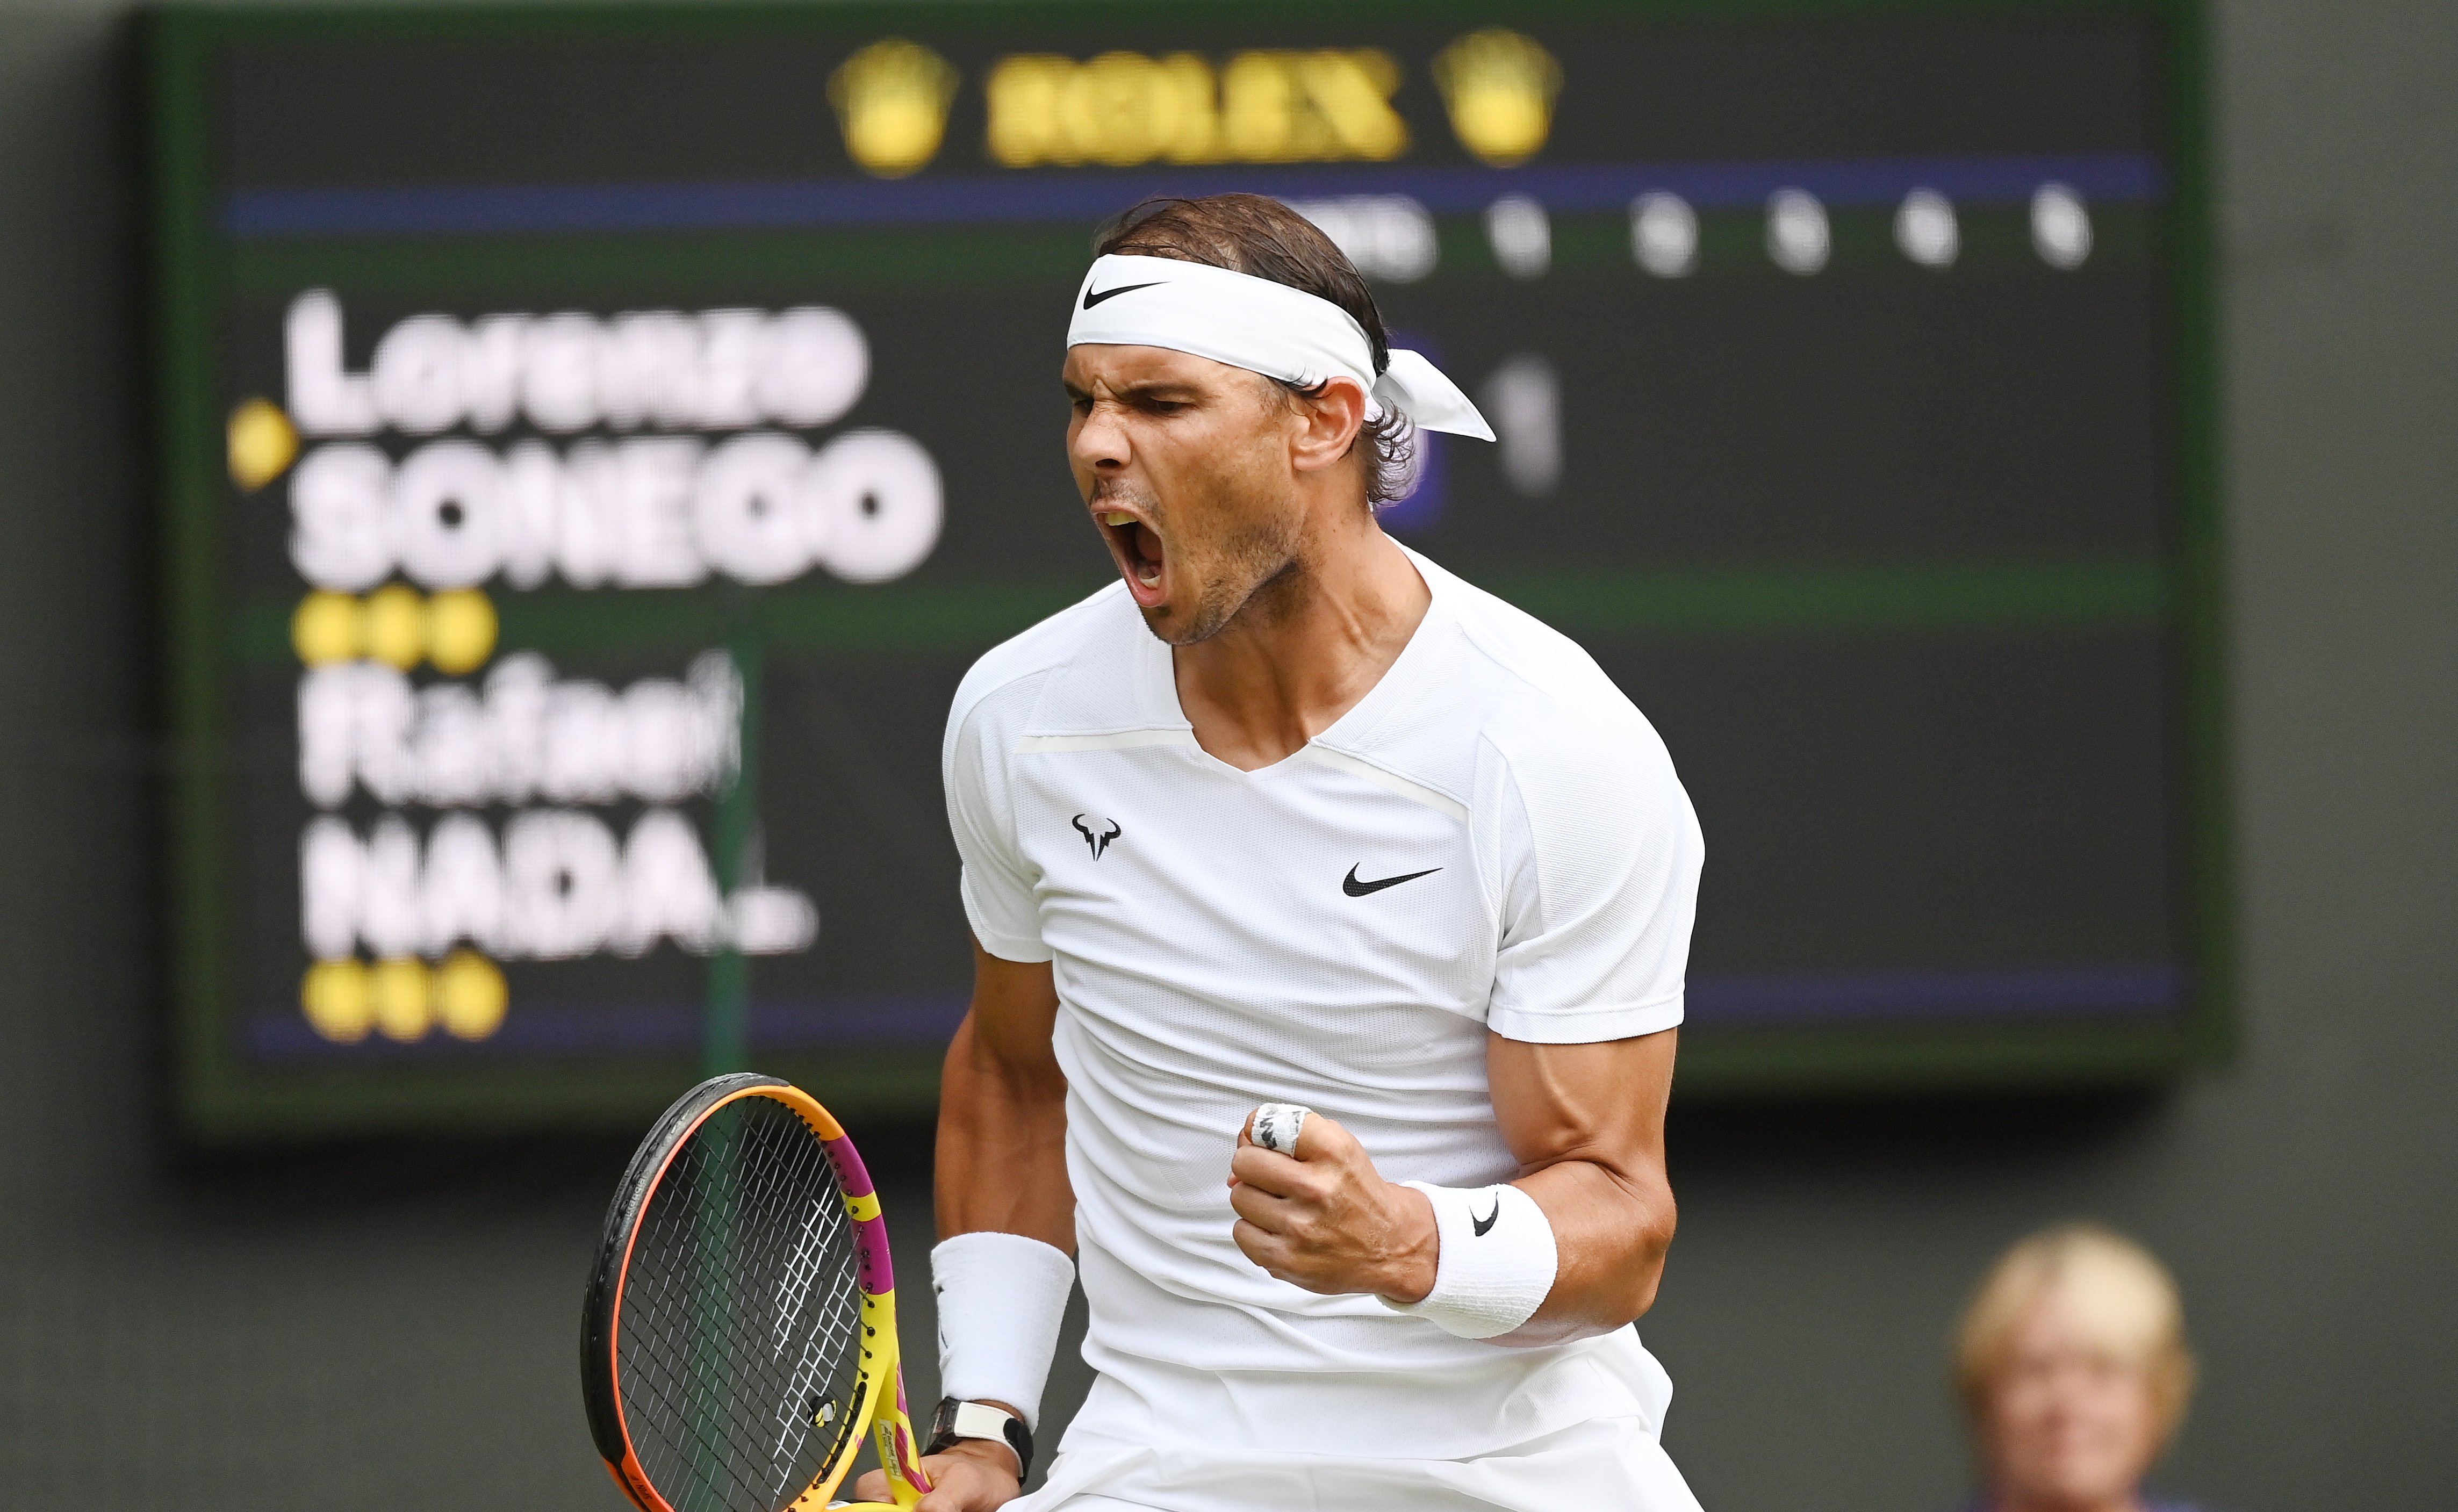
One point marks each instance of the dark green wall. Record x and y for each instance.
(395, 1326)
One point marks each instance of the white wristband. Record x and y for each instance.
(1496, 1264)
(1001, 1297)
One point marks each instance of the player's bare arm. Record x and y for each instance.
(1003, 1129)
(1002, 1169)
(1584, 1122)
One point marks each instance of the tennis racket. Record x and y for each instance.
(739, 1335)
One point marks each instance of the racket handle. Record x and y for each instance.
(900, 1453)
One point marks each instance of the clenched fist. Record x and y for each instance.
(1324, 1218)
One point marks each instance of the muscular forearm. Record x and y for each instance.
(1002, 1171)
(1610, 1232)
(1003, 1145)
(1586, 1123)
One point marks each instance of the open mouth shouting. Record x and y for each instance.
(1141, 560)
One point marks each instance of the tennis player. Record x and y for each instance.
(1290, 816)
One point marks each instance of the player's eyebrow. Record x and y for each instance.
(1152, 390)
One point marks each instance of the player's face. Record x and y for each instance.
(1185, 464)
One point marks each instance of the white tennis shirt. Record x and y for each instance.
(1493, 839)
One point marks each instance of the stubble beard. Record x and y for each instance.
(1249, 568)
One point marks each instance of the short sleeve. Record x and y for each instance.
(1597, 854)
(997, 882)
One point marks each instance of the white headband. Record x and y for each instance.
(1263, 327)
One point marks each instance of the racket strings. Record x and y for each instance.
(725, 1437)
(673, 1366)
(756, 1279)
(837, 1333)
(742, 1328)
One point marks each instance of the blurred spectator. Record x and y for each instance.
(2072, 1365)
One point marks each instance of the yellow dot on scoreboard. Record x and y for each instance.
(891, 98)
(470, 995)
(327, 627)
(460, 631)
(1500, 88)
(404, 999)
(339, 1002)
(262, 443)
(396, 626)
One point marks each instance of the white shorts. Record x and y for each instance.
(1605, 1465)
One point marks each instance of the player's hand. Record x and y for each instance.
(973, 1476)
(1324, 1218)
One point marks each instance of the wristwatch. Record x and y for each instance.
(979, 1420)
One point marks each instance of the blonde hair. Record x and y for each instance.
(2120, 1296)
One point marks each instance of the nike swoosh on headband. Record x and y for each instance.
(1091, 299)
(1266, 328)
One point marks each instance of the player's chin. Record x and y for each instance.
(1177, 624)
(1189, 616)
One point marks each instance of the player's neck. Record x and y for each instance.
(1307, 647)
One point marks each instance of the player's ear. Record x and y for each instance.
(1330, 419)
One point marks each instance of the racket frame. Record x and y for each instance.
(879, 1384)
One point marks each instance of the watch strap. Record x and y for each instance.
(957, 1421)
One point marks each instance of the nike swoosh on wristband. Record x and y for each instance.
(1480, 1225)
(1091, 299)
(1354, 888)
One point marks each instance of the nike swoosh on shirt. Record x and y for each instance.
(1091, 299)
(1354, 888)
(1480, 1225)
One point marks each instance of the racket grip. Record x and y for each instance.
(900, 1453)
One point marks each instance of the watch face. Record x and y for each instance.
(943, 1424)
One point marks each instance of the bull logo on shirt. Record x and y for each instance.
(1097, 841)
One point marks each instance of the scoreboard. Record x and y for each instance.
(595, 440)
